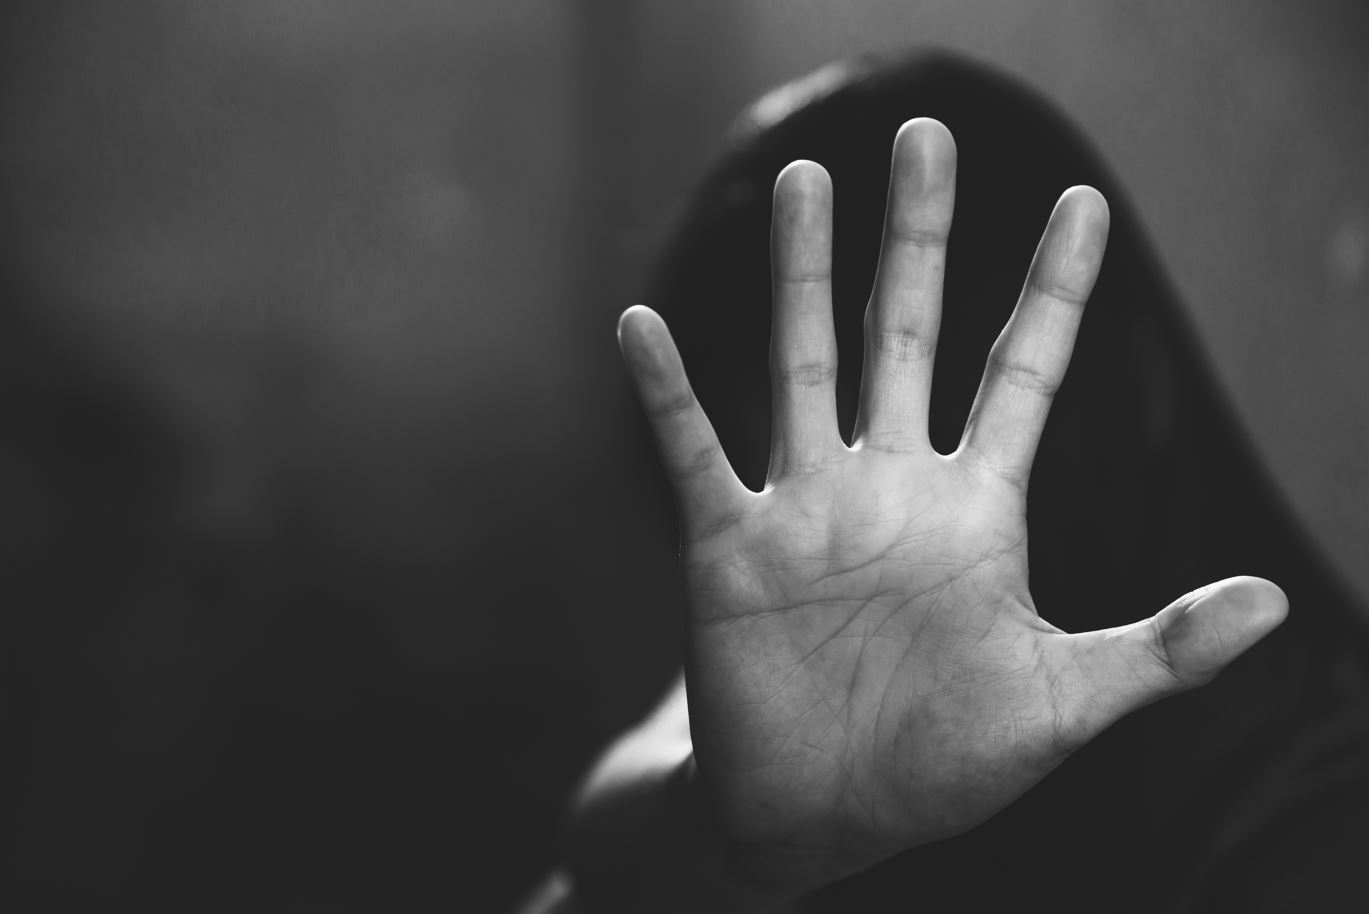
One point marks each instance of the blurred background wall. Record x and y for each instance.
(334, 547)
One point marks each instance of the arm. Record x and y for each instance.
(867, 670)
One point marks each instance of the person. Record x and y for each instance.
(874, 699)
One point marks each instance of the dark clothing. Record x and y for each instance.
(1249, 794)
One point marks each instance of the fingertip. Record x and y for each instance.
(1073, 245)
(925, 146)
(802, 183)
(1086, 206)
(1266, 604)
(643, 337)
(1225, 620)
(928, 136)
(637, 324)
(801, 225)
(633, 315)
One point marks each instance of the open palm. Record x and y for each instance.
(867, 670)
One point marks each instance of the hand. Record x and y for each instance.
(866, 668)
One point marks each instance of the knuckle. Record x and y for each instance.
(1158, 649)
(698, 531)
(905, 344)
(698, 461)
(916, 233)
(807, 374)
(672, 407)
(892, 441)
(805, 280)
(1011, 475)
(1058, 289)
(1024, 376)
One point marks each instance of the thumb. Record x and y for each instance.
(1184, 645)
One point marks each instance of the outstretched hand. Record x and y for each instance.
(866, 668)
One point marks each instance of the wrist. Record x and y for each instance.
(758, 876)
(642, 836)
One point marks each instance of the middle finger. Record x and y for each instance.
(904, 313)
